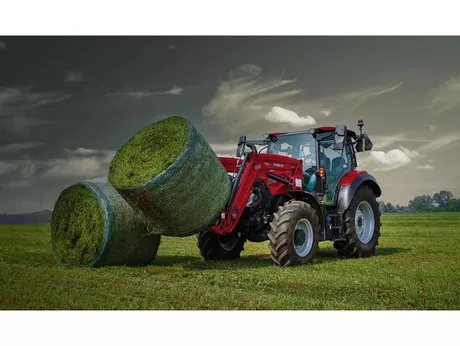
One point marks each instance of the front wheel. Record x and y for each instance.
(217, 247)
(294, 234)
(362, 225)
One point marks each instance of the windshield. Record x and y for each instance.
(300, 146)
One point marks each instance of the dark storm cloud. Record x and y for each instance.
(73, 76)
(247, 99)
(17, 148)
(19, 106)
(175, 90)
(71, 165)
(66, 110)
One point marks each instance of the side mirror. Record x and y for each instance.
(340, 137)
(367, 144)
(240, 147)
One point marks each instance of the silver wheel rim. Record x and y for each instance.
(303, 237)
(229, 243)
(364, 222)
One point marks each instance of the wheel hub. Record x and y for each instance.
(299, 237)
(364, 222)
(228, 243)
(303, 237)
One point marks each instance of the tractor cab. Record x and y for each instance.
(302, 146)
(327, 154)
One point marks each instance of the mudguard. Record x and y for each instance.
(350, 183)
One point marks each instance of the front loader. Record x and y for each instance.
(303, 189)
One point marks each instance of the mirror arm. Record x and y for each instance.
(360, 137)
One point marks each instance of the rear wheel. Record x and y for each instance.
(294, 234)
(217, 247)
(362, 225)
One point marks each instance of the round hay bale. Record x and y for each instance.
(92, 225)
(171, 176)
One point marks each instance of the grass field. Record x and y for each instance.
(417, 266)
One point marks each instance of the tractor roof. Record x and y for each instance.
(321, 129)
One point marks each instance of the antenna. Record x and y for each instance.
(360, 124)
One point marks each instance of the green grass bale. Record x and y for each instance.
(92, 225)
(172, 177)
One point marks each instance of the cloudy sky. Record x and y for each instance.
(67, 104)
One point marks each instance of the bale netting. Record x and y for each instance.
(171, 176)
(92, 225)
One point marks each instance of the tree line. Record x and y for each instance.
(440, 201)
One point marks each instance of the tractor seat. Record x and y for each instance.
(337, 166)
(335, 172)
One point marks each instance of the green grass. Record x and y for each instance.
(149, 152)
(78, 226)
(416, 267)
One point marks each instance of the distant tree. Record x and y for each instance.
(386, 207)
(399, 208)
(421, 204)
(442, 199)
(390, 208)
(454, 204)
(411, 205)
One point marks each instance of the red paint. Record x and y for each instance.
(350, 177)
(327, 128)
(229, 163)
(256, 168)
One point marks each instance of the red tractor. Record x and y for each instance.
(303, 190)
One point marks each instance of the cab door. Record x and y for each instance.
(336, 165)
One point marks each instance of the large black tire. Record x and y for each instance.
(283, 234)
(214, 247)
(353, 246)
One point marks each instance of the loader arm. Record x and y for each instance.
(285, 171)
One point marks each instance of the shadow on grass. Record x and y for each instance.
(255, 261)
(385, 251)
(332, 255)
(191, 263)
